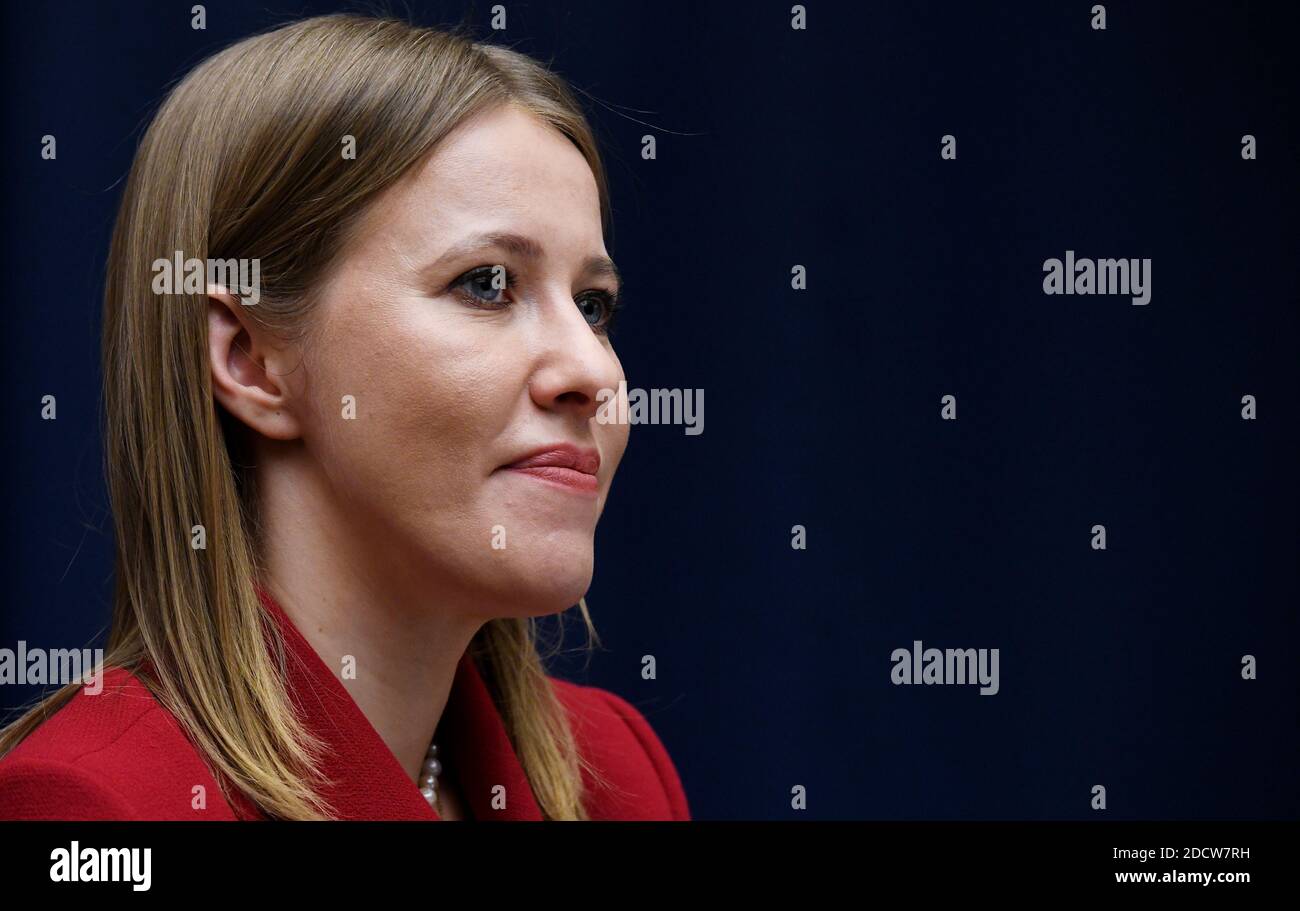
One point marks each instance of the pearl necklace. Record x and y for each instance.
(429, 775)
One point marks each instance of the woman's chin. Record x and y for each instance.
(533, 582)
(543, 595)
(562, 597)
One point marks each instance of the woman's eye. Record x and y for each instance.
(485, 285)
(599, 309)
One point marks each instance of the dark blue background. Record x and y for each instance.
(821, 148)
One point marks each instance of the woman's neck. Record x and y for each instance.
(379, 626)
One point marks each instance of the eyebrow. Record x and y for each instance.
(526, 248)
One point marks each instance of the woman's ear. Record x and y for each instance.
(248, 378)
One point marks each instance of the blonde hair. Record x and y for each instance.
(243, 160)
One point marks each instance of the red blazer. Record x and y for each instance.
(120, 755)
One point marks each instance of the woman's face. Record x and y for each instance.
(455, 377)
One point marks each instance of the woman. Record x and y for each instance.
(349, 477)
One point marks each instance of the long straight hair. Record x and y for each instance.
(244, 160)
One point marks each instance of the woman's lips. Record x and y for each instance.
(569, 479)
(565, 465)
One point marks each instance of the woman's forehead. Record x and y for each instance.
(506, 170)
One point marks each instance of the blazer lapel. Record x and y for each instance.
(473, 738)
(362, 779)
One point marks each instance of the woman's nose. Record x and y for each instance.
(575, 363)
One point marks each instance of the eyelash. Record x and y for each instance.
(612, 300)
